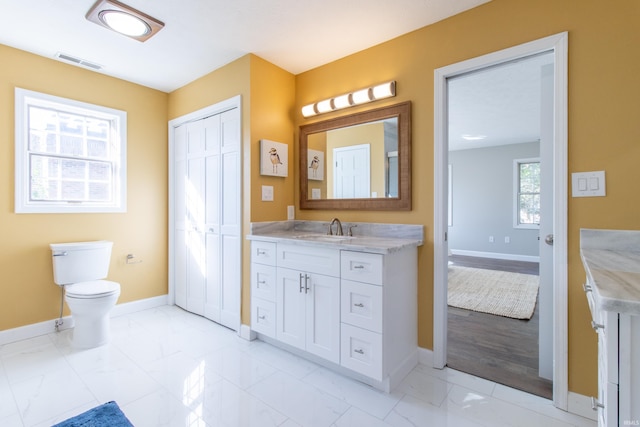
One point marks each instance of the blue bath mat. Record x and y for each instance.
(107, 415)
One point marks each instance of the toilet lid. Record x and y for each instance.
(92, 289)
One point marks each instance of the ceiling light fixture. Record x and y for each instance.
(123, 19)
(473, 137)
(358, 97)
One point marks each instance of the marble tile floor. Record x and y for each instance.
(167, 367)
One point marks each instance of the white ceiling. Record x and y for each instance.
(296, 35)
(500, 104)
(203, 35)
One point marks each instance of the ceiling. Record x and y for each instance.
(202, 35)
(297, 35)
(498, 105)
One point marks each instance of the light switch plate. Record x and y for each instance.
(588, 184)
(267, 193)
(291, 212)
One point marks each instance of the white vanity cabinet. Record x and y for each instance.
(263, 288)
(612, 262)
(379, 314)
(351, 310)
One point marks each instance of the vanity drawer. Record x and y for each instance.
(361, 351)
(263, 252)
(263, 281)
(361, 305)
(263, 317)
(361, 267)
(310, 259)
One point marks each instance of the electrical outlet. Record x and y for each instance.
(490, 239)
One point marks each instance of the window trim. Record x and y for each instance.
(516, 193)
(23, 99)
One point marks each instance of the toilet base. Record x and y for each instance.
(90, 333)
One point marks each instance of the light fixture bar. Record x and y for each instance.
(358, 97)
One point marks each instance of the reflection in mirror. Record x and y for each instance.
(360, 161)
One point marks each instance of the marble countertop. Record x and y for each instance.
(379, 238)
(612, 261)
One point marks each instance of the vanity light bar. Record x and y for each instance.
(362, 96)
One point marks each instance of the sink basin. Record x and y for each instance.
(323, 237)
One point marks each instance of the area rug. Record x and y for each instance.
(495, 292)
(106, 415)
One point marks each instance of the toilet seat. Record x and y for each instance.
(92, 289)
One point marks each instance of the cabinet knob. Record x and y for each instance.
(261, 252)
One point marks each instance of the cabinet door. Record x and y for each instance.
(323, 316)
(290, 311)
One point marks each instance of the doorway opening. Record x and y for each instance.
(552, 223)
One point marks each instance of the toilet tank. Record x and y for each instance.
(80, 261)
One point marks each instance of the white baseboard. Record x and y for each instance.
(425, 357)
(496, 255)
(48, 326)
(246, 333)
(581, 405)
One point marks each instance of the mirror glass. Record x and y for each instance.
(359, 161)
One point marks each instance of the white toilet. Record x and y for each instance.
(79, 267)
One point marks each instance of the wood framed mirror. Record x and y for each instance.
(361, 161)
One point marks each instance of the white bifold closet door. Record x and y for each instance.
(207, 217)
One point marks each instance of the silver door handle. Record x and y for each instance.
(306, 283)
(65, 253)
(300, 281)
(596, 326)
(595, 404)
(549, 239)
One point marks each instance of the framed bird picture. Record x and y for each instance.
(274, 158)
(315, 162)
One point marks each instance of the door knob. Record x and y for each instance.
(549, 239)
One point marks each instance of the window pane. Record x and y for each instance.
(71, 146)
(71, 123)
(99, 192)
(97, 128)
(529, 209)
(72, 190)
(530, 177)
(99, 171)
(74, 169)
(97, 148)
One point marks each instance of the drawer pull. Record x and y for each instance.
(359, 351)
(586, 288)
(596, 326)
(263, 317)
(262, 252)
(300, 280)
(262, 282)
(358, 267)
(595, 404)
(359, 305)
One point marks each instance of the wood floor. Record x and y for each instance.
(497, 348)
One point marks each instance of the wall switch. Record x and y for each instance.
(490, 239)
(291, 212)
(588, 184)
(267, 193)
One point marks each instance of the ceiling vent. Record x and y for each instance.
(78, 61)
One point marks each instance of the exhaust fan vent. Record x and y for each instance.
(78, 61)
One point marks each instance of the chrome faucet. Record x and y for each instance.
(338, 227)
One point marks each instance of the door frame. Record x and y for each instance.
(558, 45)
(218, 108)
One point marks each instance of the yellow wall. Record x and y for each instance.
(603, 134)
(26, 279)
(267, 108)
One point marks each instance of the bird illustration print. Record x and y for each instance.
(315, 162)
(275, 160)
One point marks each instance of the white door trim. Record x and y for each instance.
(228, 104)
(557, 44)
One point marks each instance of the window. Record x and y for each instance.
(70, 156)
(527, 197)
